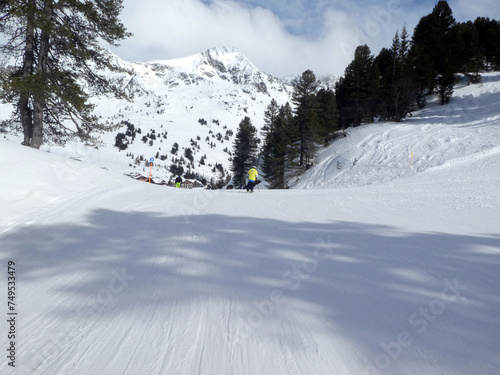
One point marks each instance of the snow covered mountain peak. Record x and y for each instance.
(227, 56)
(232, 64)
(219, 64)
(201, 97)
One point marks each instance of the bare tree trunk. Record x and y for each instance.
(39, 99)
(39, 104)
(26, 117)
(23, 104)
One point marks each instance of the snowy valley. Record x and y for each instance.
(193, 103)
(383, 258)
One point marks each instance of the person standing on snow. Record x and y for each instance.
(252, 177)
(178, 182)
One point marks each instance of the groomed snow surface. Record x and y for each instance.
(377, 262)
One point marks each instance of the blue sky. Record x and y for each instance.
(281, 37)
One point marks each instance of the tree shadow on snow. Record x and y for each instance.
(396, 297)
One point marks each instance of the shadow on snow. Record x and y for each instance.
(368, 283)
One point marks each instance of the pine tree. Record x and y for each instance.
(10, 16)
(432, 36)
(269, 133)
(328, 115)
(358, 91)
(473, 50)
(306, 114)
(273, 166)
(280, 151)
(270, 115)
(422, 74)
(404, 45)
(489, 35)
(397, 87)
(57, 43)
(466, 50)
(385, 64)
(405, 86)
(244, 151)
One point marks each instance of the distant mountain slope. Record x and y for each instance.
(196, 102)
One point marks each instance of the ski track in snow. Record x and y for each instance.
(198, 302)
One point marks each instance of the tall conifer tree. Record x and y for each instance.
(306, 114)
(328, 115)
(280, 151)
(432, 38)
(244, 151)
(359, 89)
(398, 91)
(57, 43)
(489, 36)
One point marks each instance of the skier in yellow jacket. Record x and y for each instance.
(252, 177)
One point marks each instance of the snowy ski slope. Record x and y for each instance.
(389, 265)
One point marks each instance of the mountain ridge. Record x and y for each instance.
(199, 101)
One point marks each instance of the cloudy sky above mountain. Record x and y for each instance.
(281, 37)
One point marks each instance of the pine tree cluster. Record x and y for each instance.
(399, 80)
(389, 87)
(291, 137)
(245, 150)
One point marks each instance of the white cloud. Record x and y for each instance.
(176, 28)
(465, 10)
(279, 42)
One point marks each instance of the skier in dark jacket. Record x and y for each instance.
(178, 182)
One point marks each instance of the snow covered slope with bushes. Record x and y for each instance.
(467, 128)
(196, 102)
